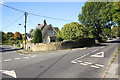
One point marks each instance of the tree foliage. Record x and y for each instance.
(37, 38)
(72, 31)
(115, 31)
(17, 36)
(96, 15)
(116, 14)
(2, 37)
(10, 36)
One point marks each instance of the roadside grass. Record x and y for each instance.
(30, 52)
(18, 51)
(114, 56)
(27, 50)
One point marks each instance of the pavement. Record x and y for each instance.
(113, 67)
(113, 70)
(90, 62)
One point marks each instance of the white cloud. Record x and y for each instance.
(1, 2)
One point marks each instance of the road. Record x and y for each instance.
(89, 62)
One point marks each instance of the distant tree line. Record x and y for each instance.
(10, 38)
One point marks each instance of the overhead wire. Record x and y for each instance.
(12, 8)
(13, 22)
(9, 15)
(36, 14)
(49, 17)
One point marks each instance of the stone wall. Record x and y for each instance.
(59, 45)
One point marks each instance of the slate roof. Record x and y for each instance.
(45, 29)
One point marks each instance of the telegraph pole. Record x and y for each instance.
(25, 27)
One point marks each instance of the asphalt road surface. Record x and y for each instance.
(89, 62)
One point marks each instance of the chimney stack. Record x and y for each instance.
(45, 23)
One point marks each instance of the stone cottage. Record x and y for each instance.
(48, 32)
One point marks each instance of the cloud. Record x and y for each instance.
(1, 2)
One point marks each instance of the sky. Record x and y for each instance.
(61, 10)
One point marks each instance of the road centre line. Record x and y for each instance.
(34, 56)
(7, 60)
(25, 57)
(16, 58)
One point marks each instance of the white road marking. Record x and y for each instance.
(26, 57)
(21, 54)
(82, 56)
(94, 66)
(86, 55)
(34, 56)
(100, 54)
(88, 63)
(99, 65)
(102, 47)
(10, 73)
(16, 58)
(83, 64)
(7, 60)
(79, 61)
(95, 50)
(73, 62)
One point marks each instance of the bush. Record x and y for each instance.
(72, 31)
(58, 39)
(37, 38)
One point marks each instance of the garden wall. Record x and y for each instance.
(59, 45)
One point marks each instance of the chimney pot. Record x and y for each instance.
(45, 23)
(38, 24)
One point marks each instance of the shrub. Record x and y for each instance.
(37, 38)
(58, 39)
(72, 31)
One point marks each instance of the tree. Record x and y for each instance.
(59, 37)
(37, 38)
(116, 15)
(2, 37)
(115, 31)
(10, 36)
(116, 12)
(17, 36)
(57, 29)
(96, 15)
(72, 31)
(107, 33)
